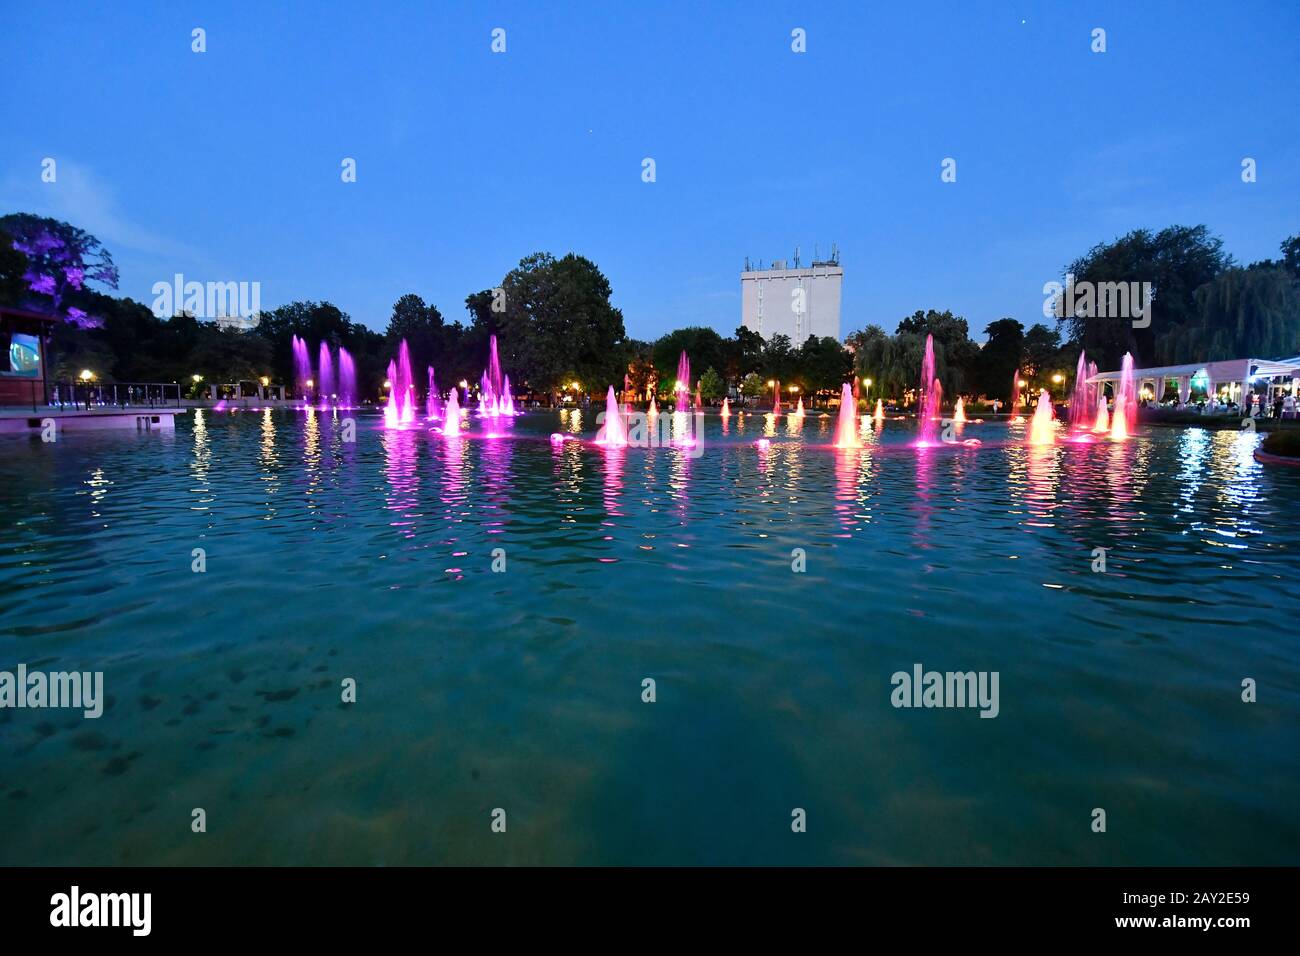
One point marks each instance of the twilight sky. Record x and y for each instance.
(225, 165)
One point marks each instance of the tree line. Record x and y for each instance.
(557, 326)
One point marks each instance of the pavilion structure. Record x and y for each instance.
(1224, 382)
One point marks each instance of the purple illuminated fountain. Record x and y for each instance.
(931, 396)
(347, 379)
(404, 385)
(494, 388)
(301, 369)
(392, 414)
(326, 387)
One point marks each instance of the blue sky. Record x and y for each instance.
(225, 165)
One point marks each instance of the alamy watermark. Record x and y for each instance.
(663, 430)
(1102, 300)
(922, 688)
(81, 690)
(234, 304)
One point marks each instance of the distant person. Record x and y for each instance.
(1277, 405)
(1288, 406)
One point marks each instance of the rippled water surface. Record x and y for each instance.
(522, 690)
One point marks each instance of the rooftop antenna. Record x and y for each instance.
(796, 257)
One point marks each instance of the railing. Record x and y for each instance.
(92, 395)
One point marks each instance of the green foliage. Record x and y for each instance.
(12, 266)
(705, 347)
(1242, 313)
(558, 325)
(1176, 261)
(1001, 356)
(1283, 441)
(752, 386)
(712, 386)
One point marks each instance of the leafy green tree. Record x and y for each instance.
(780, 360)
(752, 385)
(1242, 313)
(1176, 261)
(559, 325)
(226, 355)
(12, 266)
(744, 353)
(422, 327)
(702, 345)
(712, 385)
(824, 365)
(1041, 346)
(999, 358)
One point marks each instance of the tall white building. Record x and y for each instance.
(797, 300)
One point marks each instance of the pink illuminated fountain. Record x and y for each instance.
(1042, 430)
(798, 412)
(614, 434)
(683, 386)
(507, 399)
(1124, 418)
(776, 398)
(1081, 399)
(959, 411)
(726, 408)
(880, 412)
(1015, 395)
(1102, 427)
(654, 407)
(846, 431)
(931, 393)
(404, 385)
(451, 418)
(699, 402)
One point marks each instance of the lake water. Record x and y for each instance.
(522, 690)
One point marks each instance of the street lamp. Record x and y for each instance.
(1057, 379)
(87, 375)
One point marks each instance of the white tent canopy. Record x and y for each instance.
(1235, 373)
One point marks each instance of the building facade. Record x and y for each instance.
(796, 301)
